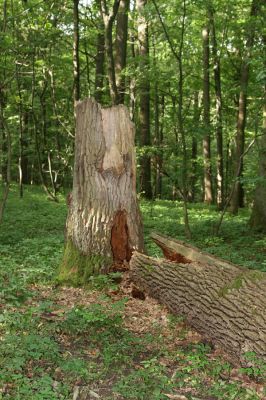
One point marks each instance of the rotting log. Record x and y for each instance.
(223, 302)
(104, 224)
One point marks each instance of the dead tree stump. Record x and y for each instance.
(104, 224)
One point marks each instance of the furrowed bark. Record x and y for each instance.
(224, 302)
(103, 225)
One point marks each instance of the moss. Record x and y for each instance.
(238, 282)
(256, 276)
(147, 270)
(77, 268)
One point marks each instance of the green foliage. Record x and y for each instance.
(97, 317)
(45, 352)
(236, 242)
(257, 368)
(149, 382)
(101, 282)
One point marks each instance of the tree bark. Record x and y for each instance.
(104, 224)
(144, 99)
(238, 194)
(121, 48)
(208, 196)
(216, 297)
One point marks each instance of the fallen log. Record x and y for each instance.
(222, 301)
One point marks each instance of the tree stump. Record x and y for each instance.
(222, 301)
(104, 224)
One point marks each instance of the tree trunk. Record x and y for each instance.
(194, 148)
(104, 224)
(208, 197)
(144, 99)
(132, 84)
(158, 133)
(108, 20)
(39, 160)
(216, 297)
(219, 120)
(258, 216)
(76, 69)
(238, 193)
(121, 48)
(24, 158)
(99, 65)
(6, 134)
(3, 138)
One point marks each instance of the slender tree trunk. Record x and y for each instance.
(181, 127)
(76, 63)
(144, 99)
(3, 139)
(208, 193)
(158, 130)
(99, 64)
(132, 84)
(108, 19)
(88, 72)
(103, 224)
(180, 117)
(39, 161)
(24, 157)
(258, 216)
(194, 148)
(7, 136)
(121, 48)
(238, 193)
(52, 179)
(21, 136)
(228, 167)
(3, 143)
(219, 119)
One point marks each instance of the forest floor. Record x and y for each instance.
(98, 342)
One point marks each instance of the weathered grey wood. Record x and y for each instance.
(173, 249)
(225, 303)
(104, 224)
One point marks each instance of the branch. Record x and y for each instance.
(166, 33)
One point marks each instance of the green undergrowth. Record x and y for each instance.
(47, 349)
(236, 242)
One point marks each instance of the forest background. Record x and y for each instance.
(191, 72)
